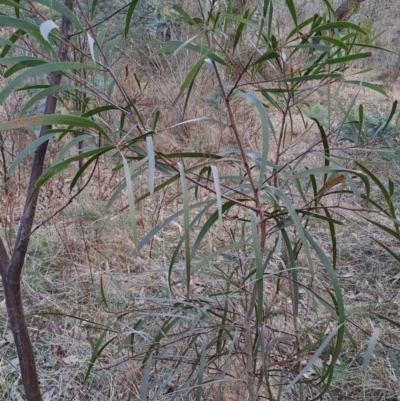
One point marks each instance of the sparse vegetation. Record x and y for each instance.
(199, 201)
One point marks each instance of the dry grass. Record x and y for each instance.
(86, 250)
(87, 246)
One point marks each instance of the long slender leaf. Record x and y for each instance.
(391, 115)
(339, 25)
(339, 303)
(83, 169)
(46, 27)
(23, 27)
(293, 271)
(218, 194)
(316, 77)
(326, 146)
(59, 167)
(184, 44)
(239, 31)
(314, 358)
(208, 225)
(152, 163)
(50, 119)
(97, 349)
(24, 63)
(198, 120)
(348, 58)
(265, 123)
(182, 240)
(388, 250)
(190, 77)
(129, 15)
(294, 216)
(40, 70)
(242, 20)
(71, 144)
(186, 17)
(259, 268)
(368, 85)
(334, 41)
(145, 380)
(186, 224)
(202, 50)
(271, 55)
(292, 9)
(57, 6)
(131, 199)
(199, 389)
(30, 148)
(371, 346)
(49, 91)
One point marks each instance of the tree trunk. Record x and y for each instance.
(346, 9)
(342, 13)
(15, 311)
(11, 268)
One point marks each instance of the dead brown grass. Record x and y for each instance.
(86, 248)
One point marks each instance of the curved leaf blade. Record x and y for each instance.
(129, 15)
(46, 27)
(131, 199)
(50, 119)
(152, 163)
(40, 70)
(186, 224)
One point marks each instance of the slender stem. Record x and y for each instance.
(106, 65)
(209, 189)
(251, 382)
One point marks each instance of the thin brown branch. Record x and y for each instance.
(105, 19)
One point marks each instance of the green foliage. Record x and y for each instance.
(151, 16)
(267, 209)
(375, 129)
